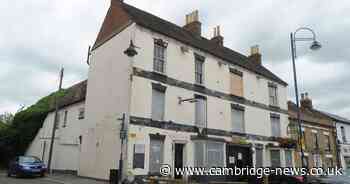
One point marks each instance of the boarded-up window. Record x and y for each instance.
(288, 158)
(275, 125)
(200, 110)
(237, 118)
(273, 96)
(139, 156)
(275, 158)
(158, 102)
(236, 82)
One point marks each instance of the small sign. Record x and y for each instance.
(239, 156)
(132, 135)
(232, 160)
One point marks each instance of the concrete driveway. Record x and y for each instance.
(49, 179)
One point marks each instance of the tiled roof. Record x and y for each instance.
(308, 115)
(176, 32)
(74, 94)
(336, 117)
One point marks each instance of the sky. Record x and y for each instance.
(38, 37)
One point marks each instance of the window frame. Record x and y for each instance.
(158, 88)
(199, 75)
(159, 56)
(328, 143)
(272, 118)
(197, 110)
(81, 113)
(204, 144)
(343, 134)
(240, 109)
(234, 73)
(316, 144)
(65, 119)
(290, 153)
(274, 157)
(273, 94)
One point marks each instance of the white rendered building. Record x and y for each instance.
(187, 100)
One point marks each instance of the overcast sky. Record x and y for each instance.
(38, 37)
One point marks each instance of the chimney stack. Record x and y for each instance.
(116, 2)
(255, 55)
(217, 38)
(305, 101)
(192, 23)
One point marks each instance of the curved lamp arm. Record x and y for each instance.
(304, 39)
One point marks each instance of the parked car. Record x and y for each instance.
(26, 166)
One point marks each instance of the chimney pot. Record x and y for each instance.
(255, 55)
(305, 101)
(217, 38)
(192, 23)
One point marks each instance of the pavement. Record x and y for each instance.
(49, 179)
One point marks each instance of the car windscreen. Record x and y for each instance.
(28, 160)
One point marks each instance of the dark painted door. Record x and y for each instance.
(238, 156)
(178, 158)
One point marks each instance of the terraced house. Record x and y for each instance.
(184, 100)
(318, 135)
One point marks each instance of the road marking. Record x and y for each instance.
(56, 181)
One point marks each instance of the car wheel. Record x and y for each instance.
(8, 174)
(42, 174)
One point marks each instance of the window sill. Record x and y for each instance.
(199, 85)
(159, 73)
(274, 106)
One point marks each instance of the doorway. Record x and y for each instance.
(179, 158)
(238, 156)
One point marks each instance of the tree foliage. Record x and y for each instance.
(17, 136)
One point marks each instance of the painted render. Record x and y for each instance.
(108, 97)
(106, 101)
(66, 150)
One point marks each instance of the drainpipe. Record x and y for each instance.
(123, 164)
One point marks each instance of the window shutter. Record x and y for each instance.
(236, 80)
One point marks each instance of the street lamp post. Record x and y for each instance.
(314, 46)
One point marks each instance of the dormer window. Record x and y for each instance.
(159, 59)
